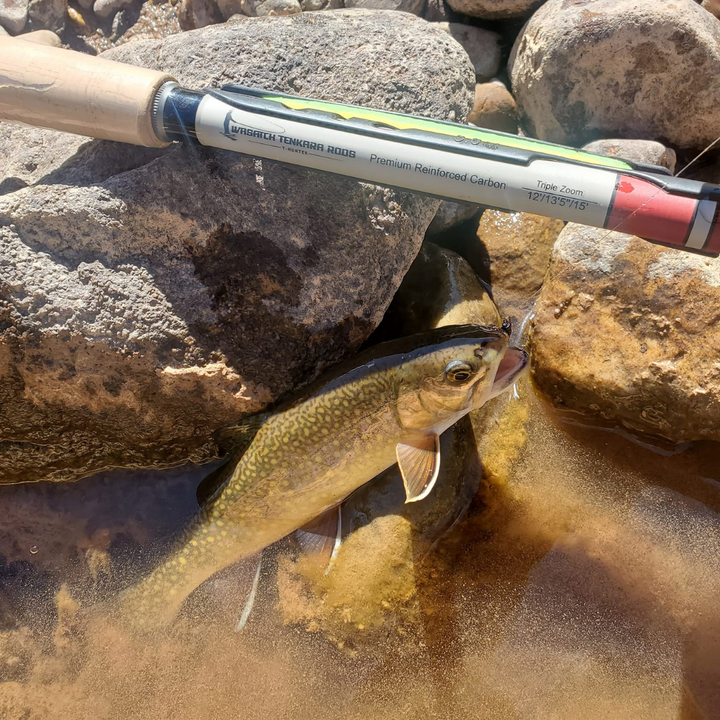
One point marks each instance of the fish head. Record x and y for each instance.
(463, 368)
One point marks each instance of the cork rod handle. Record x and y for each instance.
(78, 93)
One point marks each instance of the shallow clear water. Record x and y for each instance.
(583, 582)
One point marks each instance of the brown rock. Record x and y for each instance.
(482, 46)
(198, 13)
(518, 245)
(495, 9)
(494, 108)
(644, 151)
(625, 331)
(619, 68)
(712, 6)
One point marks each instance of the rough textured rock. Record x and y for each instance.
(13, 15)
(47, 14)
(645, 151)
(627, 332)
(415, 7)
(148, 297)
(518, 246)
(494, 108)
(619, 68)
(483, 47)
(495, 9)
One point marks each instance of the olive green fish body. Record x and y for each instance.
(311, 455)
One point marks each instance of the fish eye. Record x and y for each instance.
(458, 371)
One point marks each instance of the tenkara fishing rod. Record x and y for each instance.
(92, 96)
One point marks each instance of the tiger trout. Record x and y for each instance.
(389, 404)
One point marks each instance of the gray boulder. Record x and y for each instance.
(619, 68)
(148, 297)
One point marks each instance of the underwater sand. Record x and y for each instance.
(586, 584)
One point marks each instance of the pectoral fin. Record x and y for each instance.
(419, 463)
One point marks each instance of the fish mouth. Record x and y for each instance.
(511, 366)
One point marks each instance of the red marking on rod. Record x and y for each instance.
(643, 209)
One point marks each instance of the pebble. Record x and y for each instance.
(195, 14)
(47, 14)
(13, 15)
(416, 7)
(482, 46)
(712, 6)
(644, 151)
(106, 8)
(43, 37)
(496, 9)
(494, 108)
(262, 8)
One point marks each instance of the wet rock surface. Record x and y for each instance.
(625, 332)
(518, 246)
(619, 68)
(149, 302)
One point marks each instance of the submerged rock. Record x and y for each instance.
(150, 297)
(633, 68)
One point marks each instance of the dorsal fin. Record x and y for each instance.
(233, 440)
(236, 438)
(211, 485)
